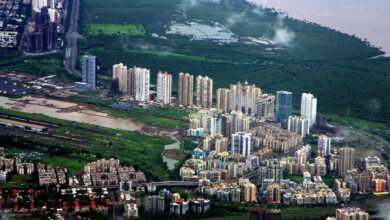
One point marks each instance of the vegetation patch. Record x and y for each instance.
(138, 150)
(109, 29)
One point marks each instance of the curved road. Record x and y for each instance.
(71, 39)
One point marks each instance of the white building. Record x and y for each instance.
(299, 125)
(266, 106)
(215, 126)
(164, 87)
(309, 107)
(324, 145)
(3, 176)
(303, 155)
(240, 123)
(131, 210)
(243, 98)
(38, 4)
(242, 143)
(142, 84)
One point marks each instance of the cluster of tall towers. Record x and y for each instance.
(133, 81)
(204, 90)
(242, 97)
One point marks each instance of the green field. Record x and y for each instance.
(18, 181)
(126, 29)
(294, 178)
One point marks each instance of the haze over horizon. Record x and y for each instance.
(364, 19)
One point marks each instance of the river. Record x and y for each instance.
(67, 111)
(368, 19)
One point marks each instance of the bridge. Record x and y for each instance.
(157, 184)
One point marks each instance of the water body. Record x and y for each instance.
(171, 162)
(55, 108)
(368, 19)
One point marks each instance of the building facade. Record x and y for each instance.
(242, 143)
(283, 106)
(204, 92)
(89, 70)
(164, 87)
(142, 84)
(186, 89)
(243, 98)
(266, 107)
(298, 125)
(345, 160)
(223, 99)
(309, 107)
(324, 145)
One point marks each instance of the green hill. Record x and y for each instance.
(289, 54)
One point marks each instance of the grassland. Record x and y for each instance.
(295, 178)
(125, 29)
(18, 181)
(135, 149)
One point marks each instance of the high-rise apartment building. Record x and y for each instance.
(154, 204)
(223, 98)
(242, 143)
(89, 70)
(164, 87)
(131, 81)
(142, 84)
(266, 107)
(186, 89)
(125, 77)
(243, 98)
(274, 194)
(345, 160)
(204, 92)
(239, 122)
(298, 125)
(221, 143)
(324, 145)
(283, 106)
(215, 126)
(364, 182)
(119, 71)
(309, 107)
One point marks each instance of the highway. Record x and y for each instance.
(71, 39)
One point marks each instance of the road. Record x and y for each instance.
(71, 39)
